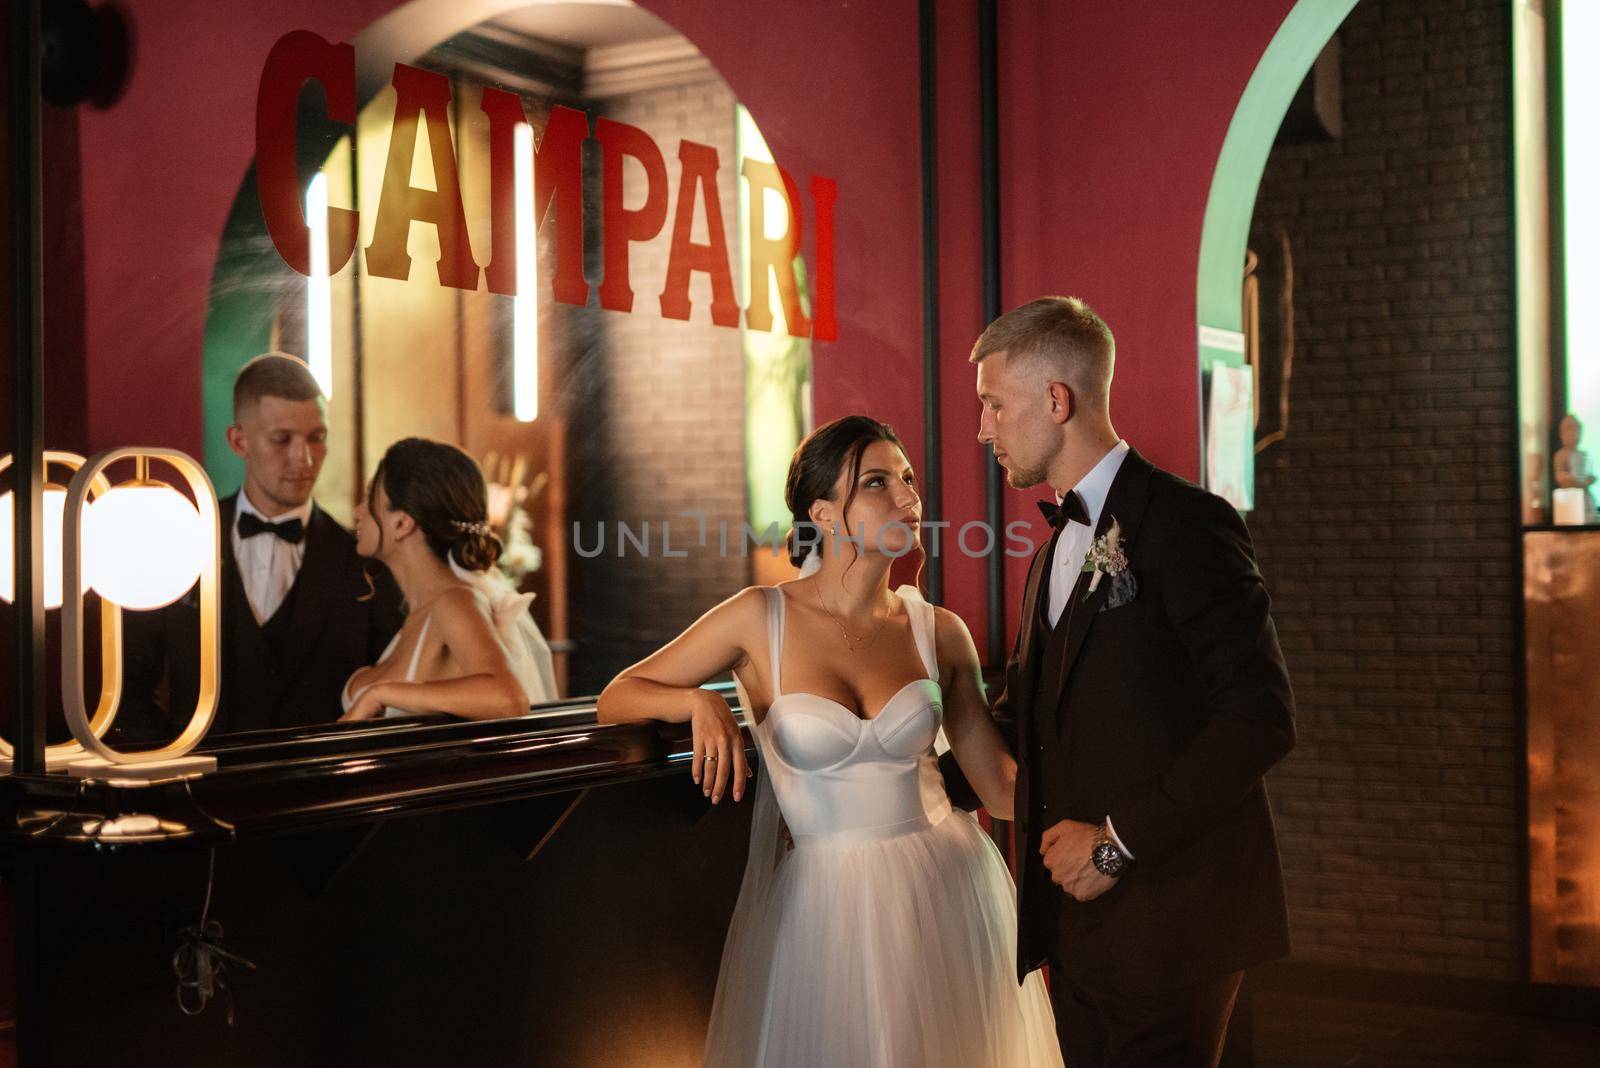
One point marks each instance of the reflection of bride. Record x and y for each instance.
(468, 646)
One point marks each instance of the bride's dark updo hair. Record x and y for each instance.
(814, 472)
(442, 489)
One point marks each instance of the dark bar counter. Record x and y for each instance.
(540, 890)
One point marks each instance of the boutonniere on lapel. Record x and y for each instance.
(1106, 557)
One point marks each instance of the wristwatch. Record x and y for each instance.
(1108, 859)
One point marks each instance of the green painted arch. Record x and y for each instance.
(1234, 183)
(1232, 199)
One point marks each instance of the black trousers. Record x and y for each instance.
(1103, 1029)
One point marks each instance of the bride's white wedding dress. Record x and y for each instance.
(524, 643)
(887, 935)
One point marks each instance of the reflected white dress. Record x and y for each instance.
(520, 636)
(887, 936)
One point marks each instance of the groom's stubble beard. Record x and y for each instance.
(1026, 477)
(283, 498)
(287, 502)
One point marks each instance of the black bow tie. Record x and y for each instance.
(1070, 510)
(292, 531)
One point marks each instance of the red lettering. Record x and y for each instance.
(421, 96)
(623, 225)
(825, 322)
(295, 59)
(557, 176)
(425, 97)
(775, 254)
(699, 171)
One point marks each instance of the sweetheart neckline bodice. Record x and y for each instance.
(859, 720)
(841, 776)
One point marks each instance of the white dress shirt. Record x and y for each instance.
(268, 565)
(1073, 547)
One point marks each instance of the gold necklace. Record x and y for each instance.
(854, 642)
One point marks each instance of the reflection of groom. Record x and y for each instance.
(1145, 704)
(299, 613)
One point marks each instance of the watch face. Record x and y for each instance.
(1108, 860)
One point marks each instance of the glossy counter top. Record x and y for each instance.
(272, 783)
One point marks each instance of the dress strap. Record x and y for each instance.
(416, 654)
(922, 628)
(774, 598)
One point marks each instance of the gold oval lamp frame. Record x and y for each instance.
(173, 760)
(58, 756)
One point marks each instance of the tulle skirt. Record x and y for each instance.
(891, 953)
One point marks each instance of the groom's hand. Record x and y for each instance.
(1068, 850)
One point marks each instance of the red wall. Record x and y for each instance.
(161, 169)
(1111, 122)
(960, 308)
(1112, 118)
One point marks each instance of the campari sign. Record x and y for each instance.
(422, 106)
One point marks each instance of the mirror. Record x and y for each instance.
(613, 405)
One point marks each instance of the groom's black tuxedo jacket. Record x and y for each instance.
(289, 671)
(1163, 712)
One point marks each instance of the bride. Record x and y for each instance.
(886, 933)
(468, 646)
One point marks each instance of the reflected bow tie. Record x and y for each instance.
(1070, 510)
(292, 531)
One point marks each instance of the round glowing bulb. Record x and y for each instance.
(55, 503)
(143, 545)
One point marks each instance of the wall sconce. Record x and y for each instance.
(141, 545)
(55, 499)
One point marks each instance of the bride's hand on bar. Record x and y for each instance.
(718, 747)
(369, 705)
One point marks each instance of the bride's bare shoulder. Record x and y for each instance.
(952, 637)
(457, 607)
(790, 587)
(738, 614)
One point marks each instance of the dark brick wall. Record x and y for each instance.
(1386, 521)
(663, 426)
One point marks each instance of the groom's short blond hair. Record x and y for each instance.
(273, 374)
(1059, 336)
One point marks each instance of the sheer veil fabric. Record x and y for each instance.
(524, 642)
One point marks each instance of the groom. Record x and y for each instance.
(1145, 698)
(300, 610)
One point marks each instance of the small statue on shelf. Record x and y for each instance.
(1571, 470)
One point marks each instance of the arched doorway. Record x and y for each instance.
(1231, 202)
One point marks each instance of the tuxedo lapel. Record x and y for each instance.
(234, 598)
(230, 565)
(315, 587)
(1035, 588)
(1125, 502)
(244, 648)
(1081, 610)
(1029, 649)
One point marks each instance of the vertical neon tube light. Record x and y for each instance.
(1580, 150)
(525, 305)
(319, 289)
(1531, 113)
